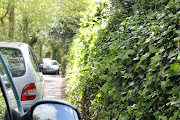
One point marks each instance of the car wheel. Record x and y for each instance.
(57, 72)
(43, 72)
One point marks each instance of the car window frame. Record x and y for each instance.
(31, 53)
(3, 88)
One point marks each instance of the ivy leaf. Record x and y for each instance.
(178, 31)
(105, 87)
(175, 67)
(145, 56)
(164, 85)
(170, 15)
(152, 49)
(172, 53)
(156, 58)
(156, 31)
(176, 39)
(147, 40)
(98, 95)
(168, 31)
(153, 26)
(103, 77)
(174, 117)
(170, 2)
(178, 58)
(161, 50)
(164, 118)
(128, 52)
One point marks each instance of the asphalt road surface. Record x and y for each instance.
(54, 87)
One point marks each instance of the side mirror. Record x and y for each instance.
(52, 110)
(41, 67)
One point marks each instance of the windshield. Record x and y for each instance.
(14, 60)
(51, 63)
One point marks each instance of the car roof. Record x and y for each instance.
(46, 59)
(17, 45)
(49, 60)
(53, 60)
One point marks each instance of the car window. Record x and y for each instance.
(51, 62)
(14, 60)
(54, 63)
(9, 90)
(33, 59)
(3, 106)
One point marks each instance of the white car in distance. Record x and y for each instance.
(50, 66)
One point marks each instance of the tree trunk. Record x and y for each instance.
(40, 52)
(2, 23)
(33, 40)
(2, 18)
(11, 23)
(25, 29)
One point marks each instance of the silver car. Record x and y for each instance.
(50, 66)
(11, 108)
(24, 68)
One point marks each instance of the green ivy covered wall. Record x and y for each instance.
(124, 63)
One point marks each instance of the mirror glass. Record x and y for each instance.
(49, 111)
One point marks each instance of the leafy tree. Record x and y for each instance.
(65, 27)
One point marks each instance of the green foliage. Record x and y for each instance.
(65, 26)
(2, 105)
(124, 62)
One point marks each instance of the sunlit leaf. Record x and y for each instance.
(164, 85)
(144, 56)
(170, 2)
(178, 31)
(164, 118)
(105, 87)
(156, 58)
(98, 95)
(175, 67)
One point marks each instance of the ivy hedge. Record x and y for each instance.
(124, 62)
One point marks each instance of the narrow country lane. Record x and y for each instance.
(54, 87)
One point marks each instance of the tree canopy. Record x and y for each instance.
(49, 23)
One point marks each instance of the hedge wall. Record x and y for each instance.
(124, 62)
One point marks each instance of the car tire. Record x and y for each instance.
(43, 72)
(57, 72)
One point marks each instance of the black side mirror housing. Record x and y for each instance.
(52, 109)
(40, 67)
